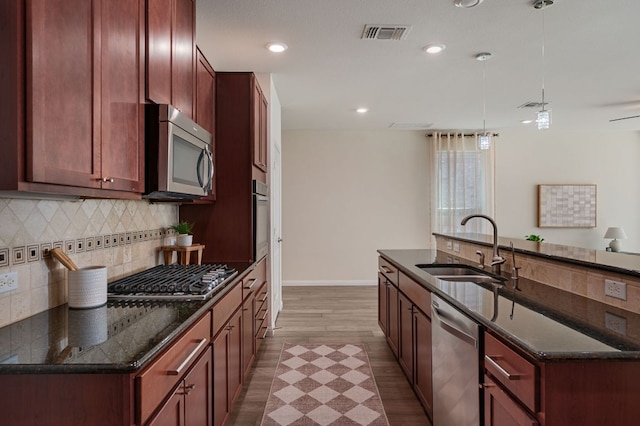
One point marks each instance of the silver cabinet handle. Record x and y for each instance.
(505, 373)
(110, 180)
(248, 287)
(187, 360)
(385, 269)
(452, 329)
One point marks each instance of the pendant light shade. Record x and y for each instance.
(543, 118)
(484, 139)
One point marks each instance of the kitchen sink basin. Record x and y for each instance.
(449, 272)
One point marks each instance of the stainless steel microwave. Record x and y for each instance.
(179, 160)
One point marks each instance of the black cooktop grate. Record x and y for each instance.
(172, 282)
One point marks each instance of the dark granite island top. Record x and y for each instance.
(548, 323)
(119, 337)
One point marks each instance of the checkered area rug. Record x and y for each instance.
(317, 384)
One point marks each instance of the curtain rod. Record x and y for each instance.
(466, 135)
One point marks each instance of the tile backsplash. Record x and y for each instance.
(124, 235)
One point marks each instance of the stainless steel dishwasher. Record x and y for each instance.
(456, 372)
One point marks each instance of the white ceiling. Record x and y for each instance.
(591, 67)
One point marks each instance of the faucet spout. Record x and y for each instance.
(497, 259)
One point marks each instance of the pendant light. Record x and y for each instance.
(484, 139)
(543, 118)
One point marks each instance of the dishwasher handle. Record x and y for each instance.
(452, 329)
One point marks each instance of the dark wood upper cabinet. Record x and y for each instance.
(205, 109)
(171, 53)
(72, 99)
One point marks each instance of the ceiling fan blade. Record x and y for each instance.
(624, 118)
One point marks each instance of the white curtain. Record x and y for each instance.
(462, 182)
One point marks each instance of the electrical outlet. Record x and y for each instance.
(8, 282)
(615, 289)
(615, 323)
(449, 245)
(456, 247)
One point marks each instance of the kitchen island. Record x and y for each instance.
(546, 356)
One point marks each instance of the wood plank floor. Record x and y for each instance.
(330, 315)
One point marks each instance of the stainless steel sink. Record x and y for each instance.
(448, 272)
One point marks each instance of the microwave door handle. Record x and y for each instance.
(209, 185)
(200, 158)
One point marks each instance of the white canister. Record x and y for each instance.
(87, 287)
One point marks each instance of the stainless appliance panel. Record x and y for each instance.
(455, 368)
(260, 220)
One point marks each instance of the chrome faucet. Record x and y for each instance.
(497, 260)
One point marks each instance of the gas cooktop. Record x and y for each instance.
(172, 282)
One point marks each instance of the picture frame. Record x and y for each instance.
(567, 205)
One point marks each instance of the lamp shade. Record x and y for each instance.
(615, 233)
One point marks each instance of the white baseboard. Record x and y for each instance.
(325, 283)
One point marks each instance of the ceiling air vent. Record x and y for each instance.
(385, 32)
(410, 126)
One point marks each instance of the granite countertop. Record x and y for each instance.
(625, 263)
(546, 322)
(120, 336)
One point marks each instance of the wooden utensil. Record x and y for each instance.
(63, 258)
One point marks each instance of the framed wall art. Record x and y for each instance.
(567, 206)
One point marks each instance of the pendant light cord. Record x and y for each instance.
(544, 5)
(484, 97)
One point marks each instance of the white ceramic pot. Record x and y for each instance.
(87, 287)
(184, 240)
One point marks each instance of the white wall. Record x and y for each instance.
(526, 158)
(346, 194)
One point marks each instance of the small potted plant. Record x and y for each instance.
(534, 237)
(183, 228)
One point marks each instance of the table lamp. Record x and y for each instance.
(617, 234)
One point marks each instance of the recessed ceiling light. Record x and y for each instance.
(527, 121)
(466, 3)
(434, 48)
(277, 47)
(361, 110)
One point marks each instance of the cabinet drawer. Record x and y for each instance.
(513, 371)
(388, 270)
(254, 280)
(420, 296)
(226, 306)
(157, 381)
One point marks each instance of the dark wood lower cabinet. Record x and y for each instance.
(190, 404)
(383, 302)
(227, 373)
(405, 348)
(422, 379)
(500, 409)
(393, 332)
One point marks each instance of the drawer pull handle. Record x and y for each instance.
(505, 373)
(248, 287)
(187, 360)
(265, 333)
(264, 298)
(264, 316)
(385, 269)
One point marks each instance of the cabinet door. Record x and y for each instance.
(500, 409)
(405, 348)
(260, 127)
(423, 384)
(172, 412)
(248, 333)
(198, 392)
(183, 57)
(383, 314)
(393, 330)
(121, 95)
(159, 22)
(205, 93)
(63, 120)
(235, 356)
(221, 405)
